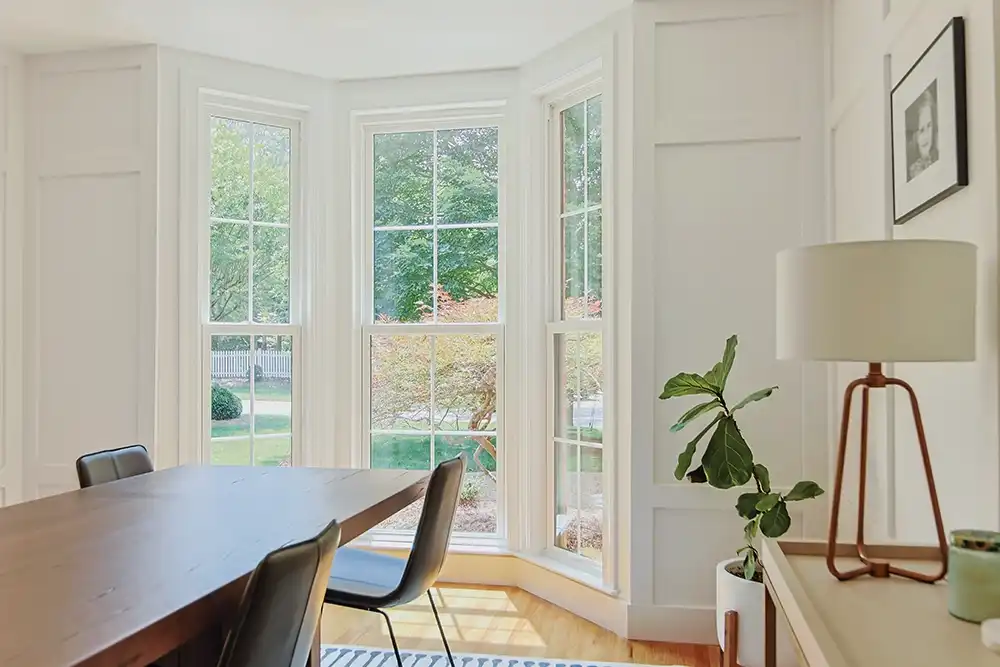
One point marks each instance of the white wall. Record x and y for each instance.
(90, 259)
(727, 172)
(11, 214)
(870, 46)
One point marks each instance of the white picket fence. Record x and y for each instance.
(235, 364)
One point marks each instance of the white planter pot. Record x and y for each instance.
(746, 598)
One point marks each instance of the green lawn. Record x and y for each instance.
(414, 452)
(266, 390)
(265, 424)
(267, 452)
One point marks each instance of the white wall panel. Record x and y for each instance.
(87, 114)
(88, 315)
(717, 278)
(90, 259)
(733, 79)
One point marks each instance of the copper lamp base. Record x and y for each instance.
(877, 380)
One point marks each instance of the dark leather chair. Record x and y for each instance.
(373, 582)
(279, 615)
(112, 464)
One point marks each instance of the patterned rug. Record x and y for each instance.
(356, 656)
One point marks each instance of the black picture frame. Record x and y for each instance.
(915, 186)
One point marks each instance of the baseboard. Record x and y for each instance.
(688, 625)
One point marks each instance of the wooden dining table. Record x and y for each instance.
(152, 568)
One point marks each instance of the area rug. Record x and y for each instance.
(356, 656)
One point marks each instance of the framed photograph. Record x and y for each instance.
(930, 147)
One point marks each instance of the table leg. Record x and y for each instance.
(770, 630)
(732, 650)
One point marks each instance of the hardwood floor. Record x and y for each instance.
(503, 621)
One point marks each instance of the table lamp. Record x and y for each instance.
(878, 302)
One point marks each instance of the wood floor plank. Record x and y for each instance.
(503, 621)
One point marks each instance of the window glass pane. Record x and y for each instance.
(271, 173)
(404, 273)
(400, 384)
(595, 265)
(403, 173)
(579, 500)
(477, 501)
(401, 452)
(574, 147)
(467, 175)
(594, 150)
(230, 169)
(468, 275)
(566, 523)
(465, 383)
(591, 514)
(270, 275)
(230, 272)
(580, 395)
(574, 229)
(229, 400)
(272, 401)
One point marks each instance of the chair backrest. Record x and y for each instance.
(280, 612)
(430, 544)
(112, 464)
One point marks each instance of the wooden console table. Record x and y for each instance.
(865, 622)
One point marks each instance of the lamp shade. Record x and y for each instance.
(878, 301)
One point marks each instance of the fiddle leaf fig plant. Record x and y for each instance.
(727, 461)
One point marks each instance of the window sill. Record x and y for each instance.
(560, 567)
(463, 543)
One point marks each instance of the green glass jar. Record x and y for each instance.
(974, 575)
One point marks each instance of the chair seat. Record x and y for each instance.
(363, 579)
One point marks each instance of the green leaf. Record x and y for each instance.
(763, 477)
(804, 491)
(685, 457)
(759, 395)
(746, 504)
(686, 384)
(750, 531)
(749, 565)
(775, 522)
(728, 358)
(728, 460)
(694, 413)
(767, 502)
(714, 377)
(697, 476)
(720, 372)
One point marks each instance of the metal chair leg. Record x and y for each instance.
(392, 635)
(444, 639)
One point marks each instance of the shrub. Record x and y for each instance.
(471, 491)
(225, 404)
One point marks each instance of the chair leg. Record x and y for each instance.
(392, 635)
(444, 639)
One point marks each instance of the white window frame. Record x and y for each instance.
(239, 109)
(366, 127)
(603, 575)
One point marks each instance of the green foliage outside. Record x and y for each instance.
(225, 404)
(727, 461)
